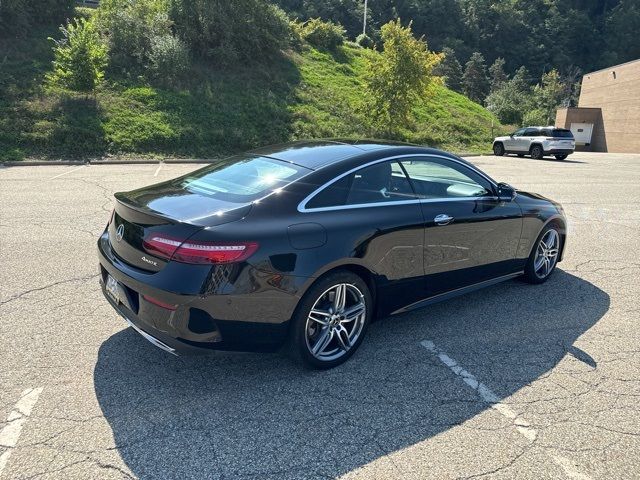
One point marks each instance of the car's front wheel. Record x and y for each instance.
(331, 320)
(544, 257)
(498, 149)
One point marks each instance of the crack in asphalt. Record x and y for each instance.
(51, 285)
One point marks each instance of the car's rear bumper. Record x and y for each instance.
(559, 151)
(246, 311)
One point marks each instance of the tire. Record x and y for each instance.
(537, 271)
(561, 157)
(326, 339)
(536, 152)
(498, 149)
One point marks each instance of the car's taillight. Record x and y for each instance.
(198, 252)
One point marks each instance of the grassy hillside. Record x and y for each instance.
(302, 95)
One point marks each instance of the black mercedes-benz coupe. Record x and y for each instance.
(304, 244)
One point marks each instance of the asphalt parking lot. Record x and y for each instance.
(512, 381)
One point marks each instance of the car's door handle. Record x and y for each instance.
(443, 219)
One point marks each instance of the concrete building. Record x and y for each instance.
(607, 118)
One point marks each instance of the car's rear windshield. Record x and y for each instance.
(558, 133)
(242, 178)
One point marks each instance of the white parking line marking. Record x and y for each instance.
(485, 393)
(15, 421)
(158, 169)
(68, 171)
(522, 426)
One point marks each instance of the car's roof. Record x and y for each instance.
(314, 154)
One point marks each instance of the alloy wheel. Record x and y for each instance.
(546, 254)
(335, 322)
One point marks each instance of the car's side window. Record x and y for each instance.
(532, 132)
(379, 183)
(518, 133)
(439, 178)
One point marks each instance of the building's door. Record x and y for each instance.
(582, 133)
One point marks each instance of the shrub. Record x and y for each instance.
(85, 12)
(130, 29)
(365, 41)
(169, 58)
(80, 57)
(230, 32)
(398, 78)
(323, 35)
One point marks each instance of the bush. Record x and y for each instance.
(365, 41)
(80, 57)
(169, 58)
(85, 12)
(322, 35)
(230, 32)
(130, 29)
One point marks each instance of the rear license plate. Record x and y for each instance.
(112, 288)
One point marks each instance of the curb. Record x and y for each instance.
(42, 163)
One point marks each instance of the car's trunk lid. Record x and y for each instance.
(141, 214)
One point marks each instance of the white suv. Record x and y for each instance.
(537, 142)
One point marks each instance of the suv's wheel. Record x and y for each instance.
(544, 257)
(561, 157)
(537, 152)
(331, 320)
(498, 149)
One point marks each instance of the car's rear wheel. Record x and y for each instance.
(331, 320)
(561, 157)
(537, 152)
(498, 149)
(544, 257)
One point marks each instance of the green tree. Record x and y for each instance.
(80, 57)
(497, 75)
(17, 17)
(621, 33)
(510, 101)
(475, 82)
(398, 77)
(548, 95)
(450, 70)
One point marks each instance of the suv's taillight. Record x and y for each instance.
(198, 252)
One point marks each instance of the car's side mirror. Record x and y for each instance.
(506, 193)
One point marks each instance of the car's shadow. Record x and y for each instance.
(547, 159)
(250, 415)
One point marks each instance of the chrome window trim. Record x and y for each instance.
(303, 209)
